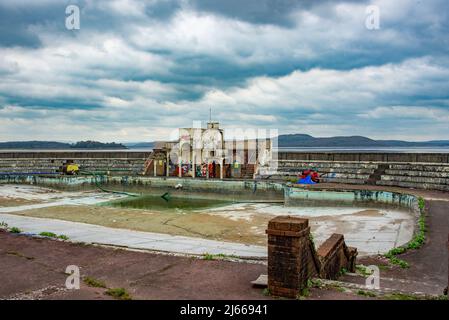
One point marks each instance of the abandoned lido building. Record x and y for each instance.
(205, 153)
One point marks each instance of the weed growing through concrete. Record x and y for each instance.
(366, 293)
(208, 256)
(220, 256)
(92, 282)
(15, 230)
(303, 294)
(338, 288)
(400, 296)
(118, 293)
(342, 272)
(314, 283)
(266, 292)
(53, 235)
(48, 234)
(3, 225)
(405, 296)
(364, 271)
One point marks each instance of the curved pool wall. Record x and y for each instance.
(294, 196)
(349, 197)
(227, 189)
(230, 190)
(238, 190)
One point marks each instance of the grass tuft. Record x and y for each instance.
(91, 282)
(15, 230)
(366, 293)
(220, 256)
(53, 235)
(118, 293)
(48, 234)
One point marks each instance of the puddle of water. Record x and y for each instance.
(173, 203)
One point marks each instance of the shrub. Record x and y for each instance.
(91, 282)
(48, 234)
(15, 230)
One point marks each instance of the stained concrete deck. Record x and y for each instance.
(81, 232)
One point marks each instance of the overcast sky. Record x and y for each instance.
(137, 69)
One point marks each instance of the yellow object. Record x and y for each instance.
(72, 168)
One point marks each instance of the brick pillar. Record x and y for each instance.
(290, 256)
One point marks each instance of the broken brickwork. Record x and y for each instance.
(293, 260)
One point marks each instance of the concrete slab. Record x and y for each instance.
(134, 239)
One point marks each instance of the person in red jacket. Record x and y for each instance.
(315, 176)
(311, 174)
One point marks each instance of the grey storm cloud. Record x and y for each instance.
(136, 68)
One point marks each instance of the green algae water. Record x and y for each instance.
(170, 203)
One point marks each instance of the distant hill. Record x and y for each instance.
(305, 140)
(34, 145)
(137, 145)
(284, 141)
(97, 145)
(60, 145)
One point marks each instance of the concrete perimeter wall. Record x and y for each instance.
(74, 155)
(366, 157)
(410, 170)
(114, 162)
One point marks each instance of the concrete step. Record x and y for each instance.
(328, 170)
(343, 180)
(415, 179)
(420, 167)
(413, 185)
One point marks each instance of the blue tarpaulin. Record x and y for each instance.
(306, 180)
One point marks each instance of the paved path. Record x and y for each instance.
(428, 272)
(430, 263)
(81, 232)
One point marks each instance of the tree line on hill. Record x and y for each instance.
(60, 145)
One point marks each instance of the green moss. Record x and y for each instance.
(400, 296)
(220, 256)
(266, 292)
(361, 269)
(53, 235)
(342, 272)
(15, 230)
(119, 293)
(48, 234)
(304, 293)
(338, 288)
(91, 282)
(366, 293)
(208, 256)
